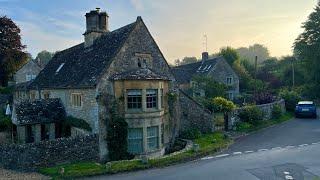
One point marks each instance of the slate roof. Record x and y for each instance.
(184, 73)
(139, 74)
(39, 111)
(23, 85)
(81, 67)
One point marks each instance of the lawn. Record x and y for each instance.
(247, 128)
(208, 144)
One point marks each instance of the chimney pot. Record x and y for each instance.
(205, 56)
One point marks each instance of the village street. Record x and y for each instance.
(289, 150)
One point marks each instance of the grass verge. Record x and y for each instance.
(247, 128)
(208, 143)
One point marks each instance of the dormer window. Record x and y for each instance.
(143, 60)
(59, 68)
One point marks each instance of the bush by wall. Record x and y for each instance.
(251, 114)
(276, 112)
(190, 134)
(5, 122)
(76, 122)
(291, 99)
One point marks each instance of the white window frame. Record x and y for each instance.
(134, 93)
(152, 136)
(151, 96)
(76, 104)
(135, 141)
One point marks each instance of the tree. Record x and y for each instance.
(11, 55)
(117, 131)
(177, 62)
(307, 48)
(229, 54)
(188, 60)
(209, 86)
(44, 56)
(252, 51)
(244, 76)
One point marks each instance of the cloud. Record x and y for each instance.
(137, 4)
(38, 39)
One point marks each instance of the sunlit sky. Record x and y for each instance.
(178, 26)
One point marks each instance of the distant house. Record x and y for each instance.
(124, 66)
(217, 68)
(29, 71)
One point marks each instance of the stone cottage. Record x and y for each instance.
(124, 66)
(216, 68)
(24, 76)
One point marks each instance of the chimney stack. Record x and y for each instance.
(97, 24)
(205, 56)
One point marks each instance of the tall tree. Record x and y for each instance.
(188, 60)
(307, 48)
(252, 51)
(44, 57)
(229, 54)
(11, 55)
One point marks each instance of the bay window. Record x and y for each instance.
(135, 140)
(134, 99)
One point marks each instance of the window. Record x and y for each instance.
(153, 137)
(134, 99)
(30, 77)
(76, 100)
(46, 95)
(152, 98)
(32, 96)
(59, 68)
(162, 98)
(135, 140)
(143, 59)
(229, 80)
(230, 96)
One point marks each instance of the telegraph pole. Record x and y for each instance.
(255, 75)
(292, 66)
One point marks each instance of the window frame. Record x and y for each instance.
(135, 141)
(152, 99)
(135, 101)
(154, 136)
(73, 103)
(231, 80)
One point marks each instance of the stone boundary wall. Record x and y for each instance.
(265, 108)
(193, 115)
(49, 153)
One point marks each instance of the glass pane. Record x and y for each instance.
(135, 140)
(152, 137)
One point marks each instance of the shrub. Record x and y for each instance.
(221, 104)
(263, 98)
(276, 112)
(76, 122)
(5, 90)
(190, 134)
(251, 114)
(5, 122)
(243, 126)
(291, 99)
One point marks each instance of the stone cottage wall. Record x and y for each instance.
(48, 153)
(194, 116)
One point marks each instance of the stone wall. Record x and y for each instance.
(265, 108)
(193, 115)
(49, 153)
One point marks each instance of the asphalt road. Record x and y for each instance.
(287, 151)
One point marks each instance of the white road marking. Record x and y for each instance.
(315, 143)
(249, 152)
(288, 177)
(207, 158)
(301, 145)
(260, 150)
(286, 173)
(237, 153)
(222, 155)
(288, 147)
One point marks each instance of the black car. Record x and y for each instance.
(306, 109)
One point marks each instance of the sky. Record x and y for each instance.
(178, 26)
